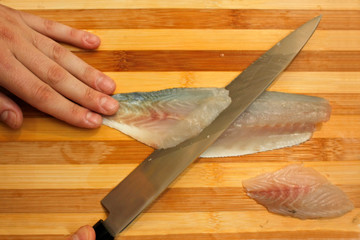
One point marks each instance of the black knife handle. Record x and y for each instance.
(101, 232)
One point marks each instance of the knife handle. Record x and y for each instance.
(101, 232)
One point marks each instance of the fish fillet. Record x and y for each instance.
(165, 118)
(274, 120)
(299, 192)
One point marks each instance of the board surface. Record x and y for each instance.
(53, 175)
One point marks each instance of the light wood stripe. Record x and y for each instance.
(197, 175)
(205, 18)
(230, 39)
(181, 223)
(220, 4)
(133, 152)
(173, 199)
(50, 129)
(287, 234)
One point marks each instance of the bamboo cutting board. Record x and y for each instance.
(53, 176)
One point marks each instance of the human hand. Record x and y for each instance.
(84, 233)
(48, 76)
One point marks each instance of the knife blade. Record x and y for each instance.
(150, 178)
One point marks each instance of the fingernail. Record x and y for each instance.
(91, 39)
(9, 118)
(105, 84)
(93, 118)
(109, 104)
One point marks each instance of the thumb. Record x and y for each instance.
(84, 233)
(10, 113)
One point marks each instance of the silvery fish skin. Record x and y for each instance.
(165, 118)
(298, 191)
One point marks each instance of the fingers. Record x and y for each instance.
(84, 233)
(65, 83)
(47, 75)
(43, 97)
(74, 65)
(61, 32)
(10, 113)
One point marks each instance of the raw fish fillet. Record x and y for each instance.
(165, 118)
(299, 192)
(274, 120)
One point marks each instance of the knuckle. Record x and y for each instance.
(90, 94)
(75, 110)
(36, 41)
(89, 73)
(58, 52)
(7, 34)
(92, 99)
(48, 25)
(55, 74)
(73, 32)
(77, 114)
(43, 94)
(6, 61)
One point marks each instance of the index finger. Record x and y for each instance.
(61, 32)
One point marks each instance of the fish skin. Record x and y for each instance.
(165, 118)
(298, 191)
(274, 120)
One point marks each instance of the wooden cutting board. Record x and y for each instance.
(53, 176)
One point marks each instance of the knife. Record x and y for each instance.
(147, 181)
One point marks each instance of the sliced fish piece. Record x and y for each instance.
(274, 120)
(165, 118)
(298, 191)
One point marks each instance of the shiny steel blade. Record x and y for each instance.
(146, 182)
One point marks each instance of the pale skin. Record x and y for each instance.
(43, 73)
(84, 233)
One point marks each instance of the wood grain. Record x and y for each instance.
(214, 60)
(197, 4)
(53, 175)
(230, 39)
(205, 18)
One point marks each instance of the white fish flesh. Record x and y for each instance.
(275, 120)
(298, 191)
(165, 118)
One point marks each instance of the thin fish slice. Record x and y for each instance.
(299, 192)
(165, 118)
(275, 120)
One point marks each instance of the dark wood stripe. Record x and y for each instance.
(200, 18)
(157, 60)
(314, 235)
(133, 152)
(172, 200)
